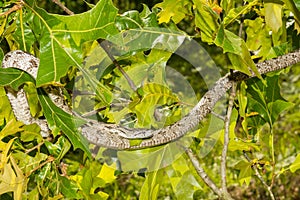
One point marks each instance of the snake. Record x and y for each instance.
(110, 134)
(115, 136)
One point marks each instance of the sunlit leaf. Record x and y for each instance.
(107, 173)
(69, 188)
(296, 164)
(273, 14)
(5, 107)
(176, 11)
(12, 127)
(187, 185)
(236, 13)
(290, 4)
(59, 149)
(154, 95)
(152, 158)
(61, 49)
(206, 20)
(151, 185)
(12, 180)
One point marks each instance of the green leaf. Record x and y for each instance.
(266, 99)
(206, 20)
(6, 112)
(59, 119)
(153, 158)
(14, 77)
(62, 39)
(151, 185)
(237, 145)
(290, 4)
(235, 13)
(187, 185)
(273, 16)
(31, 132)
(1, 52)
(131, 41)
(245, 172)
(295, 165)
(154, 95)
(11, 128)
(69, 188)
(238, 52)
(32, 99)
(12, 180)
(135, 20)
(59, 149)
(257, 35)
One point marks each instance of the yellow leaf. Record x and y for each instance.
(12, 180)
(107, 173)
(273, 16)
(5, 155)
(5, 108)
(11, 128)
(172, 9)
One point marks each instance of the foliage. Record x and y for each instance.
(264, 123)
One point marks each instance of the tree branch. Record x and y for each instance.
(201, 172)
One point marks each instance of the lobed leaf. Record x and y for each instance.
(176, 12)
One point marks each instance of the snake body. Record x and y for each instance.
(108, 132)
(118, 137)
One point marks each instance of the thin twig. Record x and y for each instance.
(16, 7)
(49, 160)
(105, 45)
(226, 140)
(204, 176)
(27, 151)
(260, 177)
(62, 6)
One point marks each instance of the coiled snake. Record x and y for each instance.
(107, 135)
